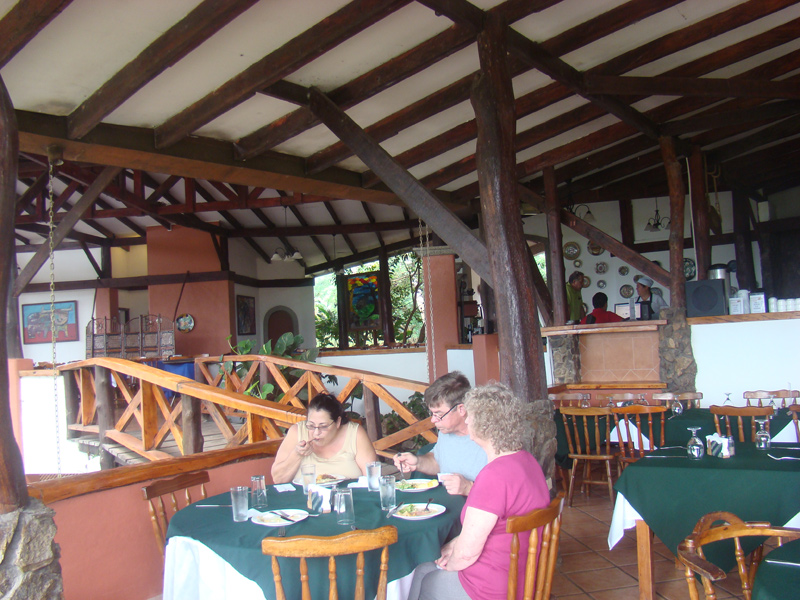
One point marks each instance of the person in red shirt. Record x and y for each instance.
(600, 313)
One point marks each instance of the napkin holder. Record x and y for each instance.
(319, 498)
(717, 445)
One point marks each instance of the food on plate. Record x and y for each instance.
(415, 485)
(327, 478)
(269, 519)
(415, 510)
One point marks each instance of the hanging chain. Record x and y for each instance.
(429, 293)
(51, 242)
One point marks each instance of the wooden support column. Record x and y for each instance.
(677, 201)
(745, 271)
(341, 311)
(700, 226)
(13, 489)
(555, 251)
(105, 412)
(372, 414)
(626, 222)
(521, 359)
(191, 424)
(72, 401)
(441, 297)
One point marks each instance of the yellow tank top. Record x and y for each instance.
(342, 464)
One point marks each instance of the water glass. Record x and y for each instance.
(344, 507)
(374, 476)
(309, 474)
(695, 448)
(387, 492)
(259, 492)
(239, 497)
(763, 439)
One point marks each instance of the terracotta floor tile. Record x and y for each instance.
(678, 590)
(563, 586)
(620, 556)
(596, 542)
(628, 593)
(569, 545)
(584, 561)
(663, 570)
(603, 579)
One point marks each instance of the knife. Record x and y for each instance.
(283, 515)
(394, 510)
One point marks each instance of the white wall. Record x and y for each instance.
(299, 299)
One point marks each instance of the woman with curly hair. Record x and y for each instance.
(475, 564)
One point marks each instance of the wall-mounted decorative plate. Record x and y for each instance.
(586, 281)
(601, 267)
(601, 283)
(577, 263)
(689, 268)
(572, 250)
(594, 248)
(626, 291)
(623, 270)
(184, 323)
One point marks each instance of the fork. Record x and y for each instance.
(783, 457)
(282, 532)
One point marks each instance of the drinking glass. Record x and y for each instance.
(676, 408)
(344, 507)
(586, 403)
(259, 492)
(309, 474)
(763, 439)
(387, 492)
(239, 496)
(695, 448)
(374, 476)
(727, 399)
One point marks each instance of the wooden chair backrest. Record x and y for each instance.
(579, 423)
(717, 526)
(539, 567)
(793, 410)
(154, 493)
(739, 412)
(762, 395)
(687, 397)
(626, 397)
(626, 436)
(568, 399)
(313, 546)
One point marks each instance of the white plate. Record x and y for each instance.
(328, 482)
(420, 485)
(271, 519)
(436, 510)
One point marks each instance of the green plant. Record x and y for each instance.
(392, 423)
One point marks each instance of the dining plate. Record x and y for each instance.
(594, 248)
(626, 291)
(572, 250)
(409, 512)
(326, 479)
(415, 485)
(272, 519)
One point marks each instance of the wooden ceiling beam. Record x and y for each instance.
(23, 21)
(174, 44)
(44, 231)
(363, 256)
(689, 86)
(737, 116)
(372, 221)
(338, 222)
(303, 223)
(312, 43)
(29, 195)
(744, 146)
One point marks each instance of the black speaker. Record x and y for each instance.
(706, 298)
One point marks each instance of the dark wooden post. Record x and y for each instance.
(555, 252)
(372, 414)
(192, 416)
(105, 412)
(700, 237)
(385, 290)
(677, 201)
(341, 310)
(13, 489)
(626, 222)
(72, 400)
(745, 271)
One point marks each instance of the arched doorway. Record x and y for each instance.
(277, 321)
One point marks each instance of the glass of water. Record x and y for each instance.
(387, 492)
(374, 476)
(309, 474)
(344, 507)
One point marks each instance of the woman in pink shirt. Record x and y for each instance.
(475, 564)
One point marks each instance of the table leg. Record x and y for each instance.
(644, 552)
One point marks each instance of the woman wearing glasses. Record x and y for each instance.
(328, 439)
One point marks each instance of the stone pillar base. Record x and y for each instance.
(565, 351)
(677, 365)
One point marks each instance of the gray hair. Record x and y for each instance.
(449, 390)
(498, 416)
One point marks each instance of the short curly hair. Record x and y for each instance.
(498, 416)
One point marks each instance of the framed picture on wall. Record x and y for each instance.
(36, 322)
(363, 304)
(245, 315)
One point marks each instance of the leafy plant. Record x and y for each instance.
(392, 423)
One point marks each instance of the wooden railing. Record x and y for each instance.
(148, 412)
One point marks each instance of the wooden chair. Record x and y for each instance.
(780, 395)
(539, 568)
(740, 412)
(313, 546)
(588, 431)
(632, 443)
(688, 399)
(155, 492)
(794, 409)
(718, 526)
(618, 399)
(568, 399)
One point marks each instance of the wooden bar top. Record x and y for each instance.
(607, 385)
(622, 327)
(752, 317)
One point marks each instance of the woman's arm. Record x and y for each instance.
(290, 455)
(468, 546)
(365, 451)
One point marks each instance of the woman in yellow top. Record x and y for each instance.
(328, 439)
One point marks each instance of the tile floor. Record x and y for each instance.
(588, 570)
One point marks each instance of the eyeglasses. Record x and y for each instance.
(311, 427)
(435, 417)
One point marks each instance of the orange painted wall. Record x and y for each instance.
(108, 549)
(210, 303)
(441, 301)
(106, 303)
(486, 357)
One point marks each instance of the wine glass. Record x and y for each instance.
(695, 448)
(676, 408)
(728, 400)
(585, 403)
(763, 439)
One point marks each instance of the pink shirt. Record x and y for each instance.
(508, 486)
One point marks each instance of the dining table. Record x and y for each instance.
(779, 573)
(208, 555)
(666, 493)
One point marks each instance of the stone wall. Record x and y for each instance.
(29, 567)
(678, 367)
(565, 351)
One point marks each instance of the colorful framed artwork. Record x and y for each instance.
(245, 315)
(36, 322)
(363, 302)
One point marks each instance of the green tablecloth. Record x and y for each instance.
(779, 574)
(240, 543)
(671, 494)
